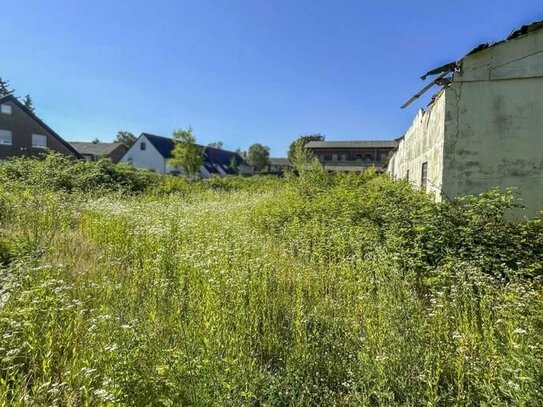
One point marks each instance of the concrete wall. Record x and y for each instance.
(423, 142)
(494, 136)
(486, 129)
(148, 158)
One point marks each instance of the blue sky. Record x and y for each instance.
(239, 71)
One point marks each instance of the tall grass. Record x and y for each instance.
(318, 290)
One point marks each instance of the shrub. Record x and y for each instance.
(60, 173)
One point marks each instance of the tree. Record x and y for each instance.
(5, 89)
(96, 141)
(125, 138)
(303, 160)
(216, 144)
(186, 153)
(28, 103)
(234, 166)
(301, 141)
(258, 156)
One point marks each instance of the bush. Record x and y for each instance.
(60, 173)
(322, 289)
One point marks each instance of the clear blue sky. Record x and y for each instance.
(239, 71)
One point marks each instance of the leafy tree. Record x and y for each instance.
(28, 103)
(96, 141)
(258, 156)
(125, 138)
(301, 141)
(5, 88)
(303, 160)
(216, 144)
(233, 164)
(186, 153)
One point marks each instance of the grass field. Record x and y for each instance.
(310, 291)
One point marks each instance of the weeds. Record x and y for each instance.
(311, 290)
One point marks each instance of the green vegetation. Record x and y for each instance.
(125, 138)
(121, 287)
(186, 153)
(258, 156)
(298, 145)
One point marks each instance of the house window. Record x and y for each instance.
(424, 177)
(334, 157)
(5, 137)
(5, 109)
(343, 157)
(39, 141)
(143, 146)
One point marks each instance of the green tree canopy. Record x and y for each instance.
(5, 89)
(125, 138)
(300, 142)
(258, 156)
(28, 103)
(186, 153)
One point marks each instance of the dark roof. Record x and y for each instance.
(13, 99)
(90, 148)
(164, 145)
(212, 155)
(352, 144)
(211, 168)
(285, 162)
(221, 157)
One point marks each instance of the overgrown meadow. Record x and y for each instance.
(119, 287)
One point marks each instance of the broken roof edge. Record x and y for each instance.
(456, 66)
(516, 33)
(449, 67)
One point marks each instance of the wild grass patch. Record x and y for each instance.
(316, 290)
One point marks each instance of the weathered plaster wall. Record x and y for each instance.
(494, 134)
(486, 129)
(423, 142)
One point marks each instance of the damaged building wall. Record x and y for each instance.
(494, 134)
(423, 143)
(485, 129)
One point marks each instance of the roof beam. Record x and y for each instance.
(424, 90)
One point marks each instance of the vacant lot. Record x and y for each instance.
(121, 288)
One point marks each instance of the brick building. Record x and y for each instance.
(352, 155)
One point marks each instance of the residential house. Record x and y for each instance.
(277, 166)
(484, 128)
(92, 151)
(151, 151)
(352, 155)
(22, 133)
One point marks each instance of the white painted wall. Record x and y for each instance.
(423, 142)
(148, 158)
(152, 159)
